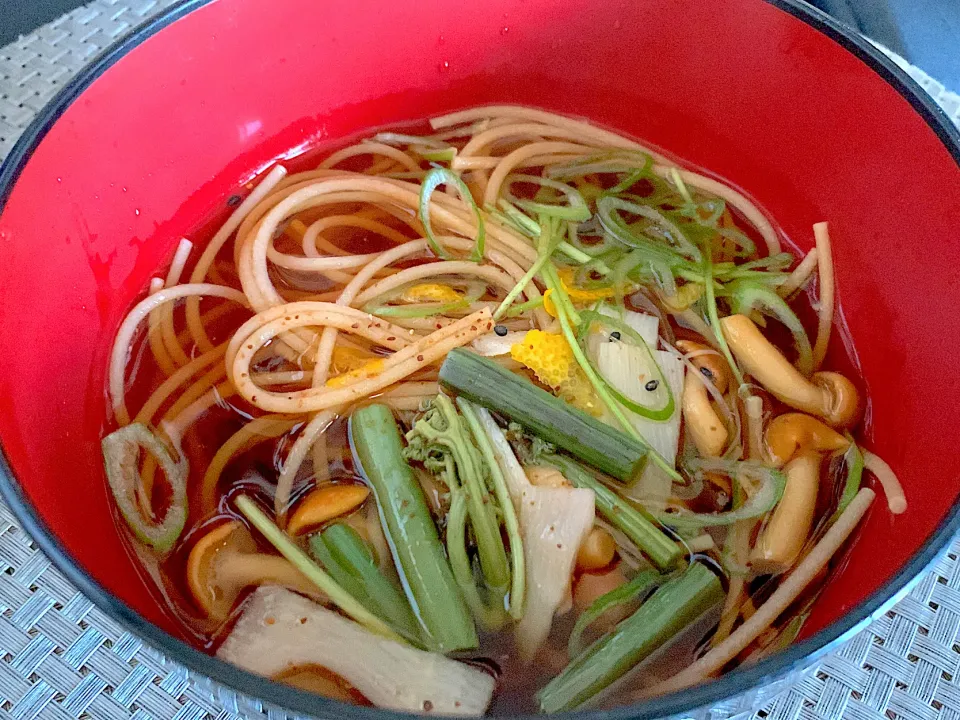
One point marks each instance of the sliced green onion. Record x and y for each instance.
(434, 179)
(853, 459)
(516, 217)
(382, 304)
(681, 186)
(121, 454)
(636, 588)
(745, 246)
(641, 264)
(619, 161)
(667, 233)
(583, 275)
(710, 298)
(548, 243)
(633, 178)
(764, 499)
(446, 154)
(606, 243)
(627, 333)
(523, 307)
(714, 207)
(416, 310)
(299, 559)
(579, 256)
(576, 208)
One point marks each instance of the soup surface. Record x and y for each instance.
(504, 412)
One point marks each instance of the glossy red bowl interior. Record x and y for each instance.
(147, 146)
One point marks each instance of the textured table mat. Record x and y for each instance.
(61, 658)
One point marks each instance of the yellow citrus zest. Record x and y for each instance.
(430, 292)
(551, 359)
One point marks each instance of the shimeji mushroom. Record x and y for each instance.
(796, 441)
(706, 428)
(324, 504)
(827, 395)
(280, 631)
(783, 538)
(791, 433)
(226, 560)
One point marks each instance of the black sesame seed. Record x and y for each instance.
(500, 330)
(615, 335)
(233, 200)
(652, 385)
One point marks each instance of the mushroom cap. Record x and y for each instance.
(844, 407)
(324, 504)
(226, 560)
(546, 476)
(202, 566)
(713, 362)
(791, 433)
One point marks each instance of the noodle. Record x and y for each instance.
(825, 264)
(121, 346)
(800, 275)
(175, 381)
(155, 336)
(401, 364)
(217, 242)
(256, 431)
(298, 453)
(370, 148)
(896, 499)
(166, 312)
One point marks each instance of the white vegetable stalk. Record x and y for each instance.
(280, 630)
(646, 326)
(553, 522)
(493, 345)
(516, 478)
(627, 368)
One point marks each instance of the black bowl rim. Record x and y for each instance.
(794, 658)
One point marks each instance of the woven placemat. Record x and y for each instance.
(60, 657)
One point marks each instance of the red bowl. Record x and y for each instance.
(148, 142)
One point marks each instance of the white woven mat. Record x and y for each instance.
(61, 658)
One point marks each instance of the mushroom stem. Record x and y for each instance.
(781, 541)
(827, 395)
(791, 433)
(705, 427)
(247, 570)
